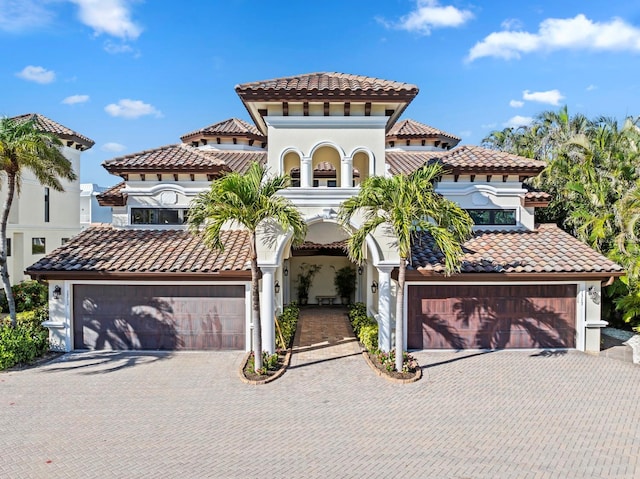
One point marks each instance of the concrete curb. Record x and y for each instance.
(418, 375)
(280, 372)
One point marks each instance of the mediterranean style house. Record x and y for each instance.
(42, 219)
(145, 282)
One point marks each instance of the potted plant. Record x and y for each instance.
(307, 272)
(345, 283)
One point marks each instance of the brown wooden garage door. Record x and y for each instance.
(491, 317)
(165, 317)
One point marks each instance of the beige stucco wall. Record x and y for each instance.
(306, 134)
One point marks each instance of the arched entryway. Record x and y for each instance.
(320, 259)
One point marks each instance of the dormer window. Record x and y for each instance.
(493, 217)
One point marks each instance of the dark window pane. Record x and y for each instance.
(8, 246)
(493, 217)
(168, 217)
(38, 246)
(505, 217)
(158, 216)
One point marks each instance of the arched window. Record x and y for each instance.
(360, 167)
(291, 166)
(326, 167)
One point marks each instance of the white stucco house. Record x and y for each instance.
(42, 219)
(91, 211)
(146, 283)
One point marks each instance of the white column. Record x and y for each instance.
(384, 307)
(306, 172)
(346, 173)
(267, 310)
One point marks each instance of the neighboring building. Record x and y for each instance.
(91, 212)
(146, 283)
(42, 219)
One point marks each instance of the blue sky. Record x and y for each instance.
(134, 75)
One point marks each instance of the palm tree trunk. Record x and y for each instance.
(255, 306)
(400, 316)
(4, 270)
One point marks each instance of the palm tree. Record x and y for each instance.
(24, 147)
(409, 205)
(248, 200)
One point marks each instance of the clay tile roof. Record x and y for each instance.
(548, 249)
(465, 159)
(325, 85)
(413, 129)
(405, 162)
(171, 158)
(233, 127)
(477, 159)
(106, 250)
(336, 245)
(48, 125)
(238, 161)
(535, 197)
(113, 196)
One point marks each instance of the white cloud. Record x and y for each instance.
(429, 14)
(37, 74)
(578, 33)
(113, 147)
(550, 97)
(511, 24)
(74, 99)
(115, 48)
(518, 121)
(489, 125)
(22, 15)
(127, 108)
(591, 87)
(516, 104)
(112, 17)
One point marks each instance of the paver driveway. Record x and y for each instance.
(498, 415)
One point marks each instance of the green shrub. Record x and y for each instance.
(27, 341)
(369, 336)
(269, 363)
(358, 317)
(28, 295)
(288, 322)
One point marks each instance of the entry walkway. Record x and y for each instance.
(324, 334)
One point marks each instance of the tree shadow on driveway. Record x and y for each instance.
(103, 362)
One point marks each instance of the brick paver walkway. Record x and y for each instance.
(494, 415)
(323, 334)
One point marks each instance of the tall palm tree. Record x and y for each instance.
(409, 205)
(248, 200)
(24, 147)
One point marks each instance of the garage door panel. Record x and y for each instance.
(491, 317)
(163, 317)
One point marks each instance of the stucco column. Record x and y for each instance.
(346, 173)
(384, 307)
(267, 309)
(306, 173)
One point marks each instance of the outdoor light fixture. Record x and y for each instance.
(286, 271)
(593, 294)
(57, 291)
(374, 286)
(360, 270)
(277, 286)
